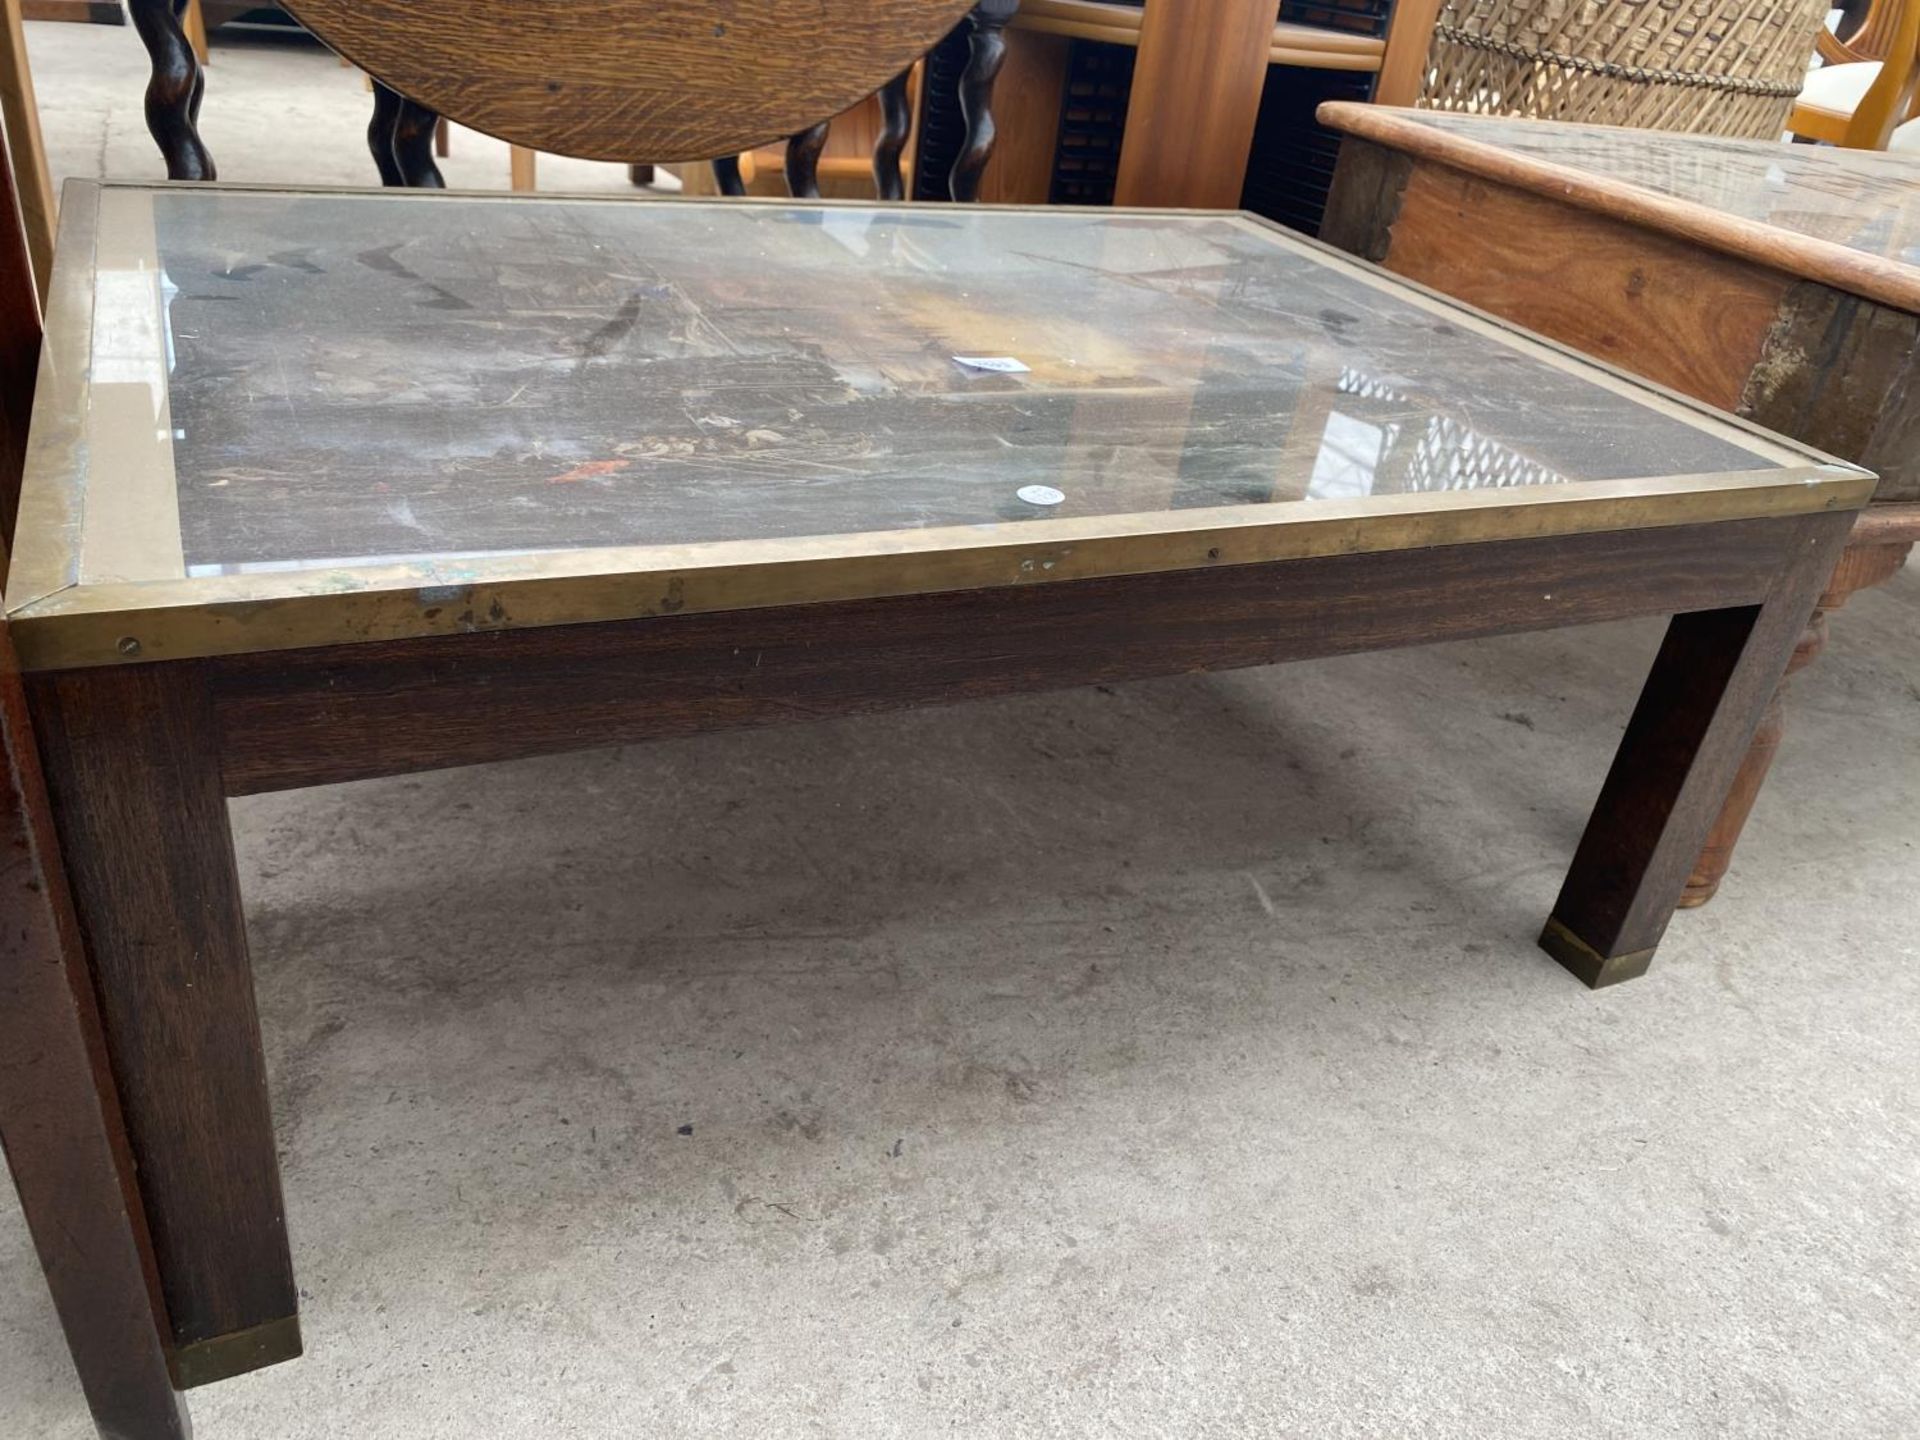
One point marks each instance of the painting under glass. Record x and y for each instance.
(398, 377)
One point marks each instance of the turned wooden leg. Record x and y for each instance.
(986, 49)
(386, 115)
(173, 94)
(142, 819)
(896, 122)
(1710, 685)
(1881, 541)
(803, 161)
(727, 176)
(442, 138)
(60, 1116)
(640, 175)
(413, 129)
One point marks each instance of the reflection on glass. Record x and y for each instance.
(1434, 452)
(376, 378)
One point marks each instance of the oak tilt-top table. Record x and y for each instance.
(1781, 282)
(332, 485)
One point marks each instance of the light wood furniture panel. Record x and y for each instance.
(20, 113)
(630, 78)
(1196, 89)
(1778, 282)
(1403, 66)
(83, 12)
(1196, 92)
(1287, 43)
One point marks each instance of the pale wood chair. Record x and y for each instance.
(1869, 84)
(21, 115)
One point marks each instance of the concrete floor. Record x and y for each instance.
(1166, 1061)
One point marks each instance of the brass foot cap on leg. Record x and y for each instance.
(222, 1357)
(1593, 968)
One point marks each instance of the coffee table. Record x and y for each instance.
(333, 485)
(1781, 282)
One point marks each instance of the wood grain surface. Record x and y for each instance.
(1688, 318)
(1403, 66)
(1843, 373)
(1830, 367)
(343, 712)
(1879, 277)
(670, 80)
(60, 1117)
(143, 824)
(1196, 94)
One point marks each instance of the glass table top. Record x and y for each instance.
(278, 395)
(1866, 200)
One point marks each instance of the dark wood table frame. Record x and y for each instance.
(133, 1094)
(191, 1265)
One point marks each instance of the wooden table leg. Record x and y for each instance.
(521, 168)
(1711, 683)
(1881, 540)
(60, 1118)
(142, 818)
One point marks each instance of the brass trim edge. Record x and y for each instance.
(235, 614)
(1595, 971)
(222, 1357)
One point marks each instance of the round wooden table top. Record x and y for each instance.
(634, 80)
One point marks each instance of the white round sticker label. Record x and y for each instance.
(1041, 494)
